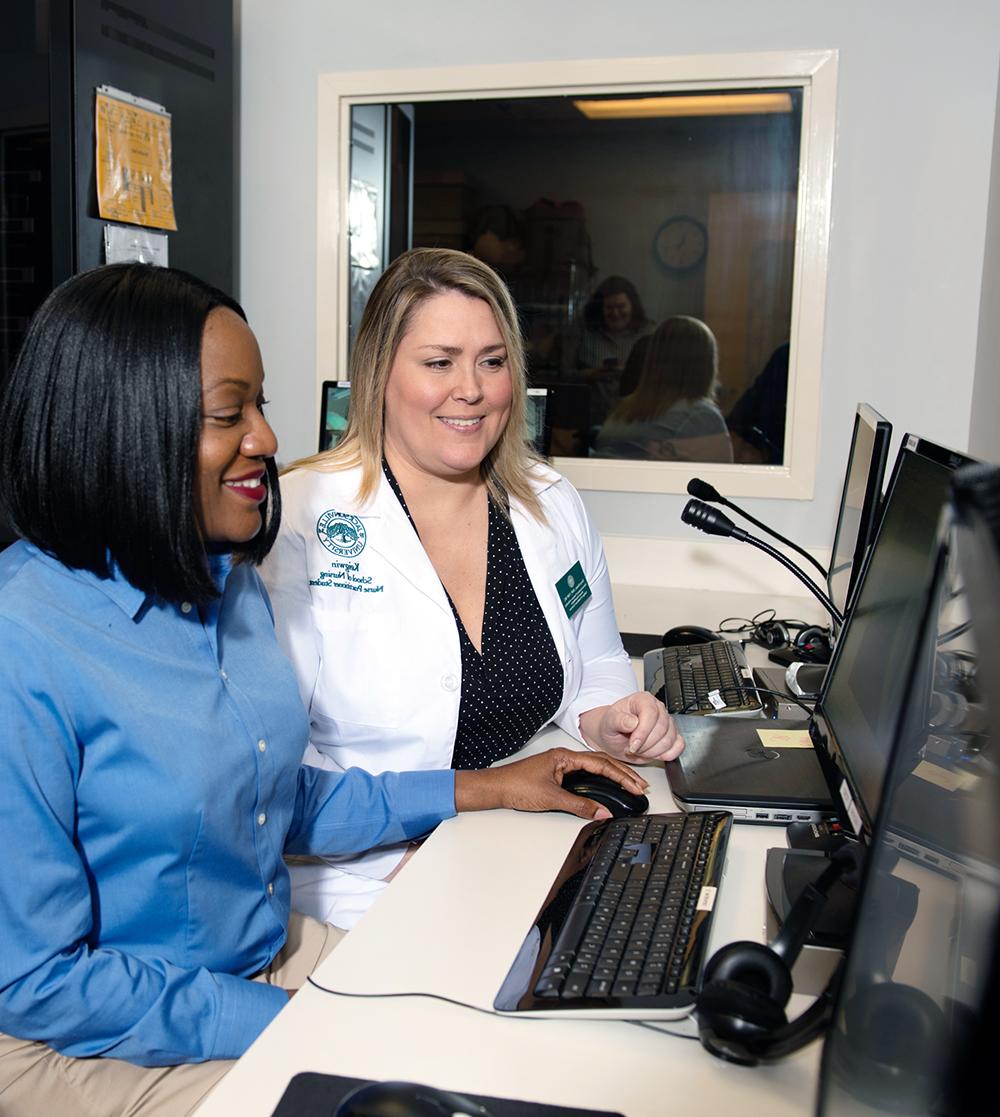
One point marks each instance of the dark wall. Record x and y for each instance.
(180, 54)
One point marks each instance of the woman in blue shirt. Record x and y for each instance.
(152, 729)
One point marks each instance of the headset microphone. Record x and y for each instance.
(704, 491)
(714, 522)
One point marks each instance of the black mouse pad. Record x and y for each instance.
(318, 1095)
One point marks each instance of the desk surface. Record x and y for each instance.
(450, 924)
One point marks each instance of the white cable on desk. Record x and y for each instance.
(485, 1011)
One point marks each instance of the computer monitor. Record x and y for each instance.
(914, 1022)
(861, 700)
(539, 419)
(334, 403)
(336, 399)
(860, 502)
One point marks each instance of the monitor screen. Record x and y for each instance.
(911, 1025)
(860, 501)
(539, 419)
(334, 402)
(863, 690)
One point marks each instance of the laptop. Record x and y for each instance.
(771, 771)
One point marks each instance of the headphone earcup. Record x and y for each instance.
(772, 635)
(754, 966)
(891, 1043)
(733, 1018)
(815, 640)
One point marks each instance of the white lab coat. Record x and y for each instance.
(367, 624)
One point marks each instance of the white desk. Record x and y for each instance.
(451, 924)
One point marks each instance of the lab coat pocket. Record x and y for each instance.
(362, 680)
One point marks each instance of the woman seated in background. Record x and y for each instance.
(672, 414)
(152, 729)
(440, 590)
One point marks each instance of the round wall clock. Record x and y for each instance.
(681, 243)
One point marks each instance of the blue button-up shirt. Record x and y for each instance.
(150, 781)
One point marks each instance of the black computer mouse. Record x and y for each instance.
(687, 634)
(605, 792)
(406, 1099)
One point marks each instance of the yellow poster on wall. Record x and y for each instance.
(134, 160)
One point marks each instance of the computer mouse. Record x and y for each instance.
(406, 1099)
(605, 792)
(688, 634)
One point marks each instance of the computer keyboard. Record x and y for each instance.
(625, 926)
(710, 678)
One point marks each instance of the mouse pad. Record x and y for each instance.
(318, 1095)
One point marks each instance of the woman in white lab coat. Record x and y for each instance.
(439, 589)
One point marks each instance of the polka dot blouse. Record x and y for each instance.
(515, 685)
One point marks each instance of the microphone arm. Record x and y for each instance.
(713, 522)
(704, 491)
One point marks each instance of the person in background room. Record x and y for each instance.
(440, 590)
(672, 414)
(614, 320)
(152, 730)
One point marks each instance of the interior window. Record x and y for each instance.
(663, 224)
(649, 244)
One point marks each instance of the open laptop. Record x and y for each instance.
(770, 771)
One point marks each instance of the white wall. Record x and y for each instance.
(984, 434)
(917, 107)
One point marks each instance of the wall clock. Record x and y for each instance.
(681, 243)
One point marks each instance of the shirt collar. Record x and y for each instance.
(129, 598)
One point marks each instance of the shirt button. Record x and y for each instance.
(270, 888)
(450, 682)
(261, 818)
(223, 675)
(262, 745)
(186, 606)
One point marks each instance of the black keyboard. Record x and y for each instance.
(626, 925)
(712, 678)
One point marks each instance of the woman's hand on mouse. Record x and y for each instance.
(535, 783)
(636, 728)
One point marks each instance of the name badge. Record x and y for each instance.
(573, 589)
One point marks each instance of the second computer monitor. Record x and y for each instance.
(860, 501)
(862, 697)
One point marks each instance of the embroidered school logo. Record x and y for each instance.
(342, 534)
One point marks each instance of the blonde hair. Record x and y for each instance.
(409, 281)
(681, 361)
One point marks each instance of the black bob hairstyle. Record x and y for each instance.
(100, 421)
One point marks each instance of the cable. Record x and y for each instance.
(662, 1031)
(427, 996)
(758, 620)
(485, 1011)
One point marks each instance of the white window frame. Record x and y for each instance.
(814, 72)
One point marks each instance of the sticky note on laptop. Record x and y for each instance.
(785, 738)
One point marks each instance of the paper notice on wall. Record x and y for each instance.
(125, 244)
(134, 160)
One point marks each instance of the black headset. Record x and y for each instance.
(772, 633)
(741, 1005)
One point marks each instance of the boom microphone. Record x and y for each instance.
(714, 522)
(704, 491)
